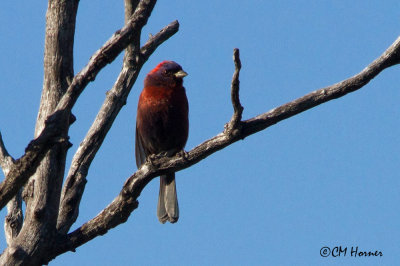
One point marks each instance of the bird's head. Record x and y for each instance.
(166, 73)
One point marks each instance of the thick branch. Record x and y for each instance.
(42, 203)
(115, 100)
(119, 210)
(106, 54)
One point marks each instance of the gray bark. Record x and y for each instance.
(45, 156)
(42, 201)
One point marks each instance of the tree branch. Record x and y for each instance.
(42, 202)
(6, 161)
(115, 100)
(132, 48)
(121, 207)
(389, 58)
(24, 167)
(14, 217)
(108, 52)
(233, 127)
(59, 118)
(156, 40)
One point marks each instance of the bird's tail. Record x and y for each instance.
(167, 208)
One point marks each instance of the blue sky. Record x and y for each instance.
(327, 177)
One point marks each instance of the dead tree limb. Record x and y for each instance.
(59, 118)
(126, 202)
(46, 154)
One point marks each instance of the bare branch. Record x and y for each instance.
(130, 7)
(120, 208)
(14, 217)
(156, 40)
(42, 203)
(132, 49)
(25, 166)
(233, 126)
(389, 58)
(106, 54)
(6, 161)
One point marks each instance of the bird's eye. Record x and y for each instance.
(165, 71)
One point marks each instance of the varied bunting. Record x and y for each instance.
(162, 126)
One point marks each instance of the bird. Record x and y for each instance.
(162, 127)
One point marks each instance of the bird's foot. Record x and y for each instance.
(154, 157)
(183, 154)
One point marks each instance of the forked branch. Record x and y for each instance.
(24, 167)
(121, 207)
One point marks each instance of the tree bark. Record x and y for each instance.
(43, 190)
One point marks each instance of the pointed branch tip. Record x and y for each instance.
(234, 124)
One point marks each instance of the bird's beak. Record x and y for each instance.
(180, 74)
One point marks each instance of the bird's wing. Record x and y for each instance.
(140, 153)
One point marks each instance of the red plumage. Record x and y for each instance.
(162, 126)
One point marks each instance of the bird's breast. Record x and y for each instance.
(159, 97)
(162, 118)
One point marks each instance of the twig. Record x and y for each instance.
(156, 40)
(6, 161)
(233, 127)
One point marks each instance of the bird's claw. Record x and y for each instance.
(184, 155)
(153, 157)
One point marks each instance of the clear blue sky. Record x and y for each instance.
(327, 177)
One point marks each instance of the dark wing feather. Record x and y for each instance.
(140, 153)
